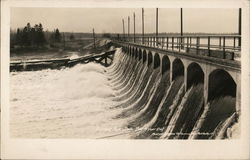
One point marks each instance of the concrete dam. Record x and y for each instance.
(176, 94)
(153, 90)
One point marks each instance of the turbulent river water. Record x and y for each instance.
(126, 100)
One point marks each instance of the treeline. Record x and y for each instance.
(30, 36)
(35, 36)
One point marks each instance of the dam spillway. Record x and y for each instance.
(140, 96)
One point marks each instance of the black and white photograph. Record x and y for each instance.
(154, 73)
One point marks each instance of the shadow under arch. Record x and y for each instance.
(220, 83)
(133, 50)
(137, 52)
(157, 60)
(130, 49)
(133, 54)
(140, 54)
(195, 74)
(178, 68)
(144, 56)
(221, 102)
(150, 58)
(165, 64)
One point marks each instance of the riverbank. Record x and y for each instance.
(87, 47)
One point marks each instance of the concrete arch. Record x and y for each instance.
(222, 100)
(134, 50)
(178, 68)
(195, 74)
(232, 73)
(144, 56)
(220, 83)
(150, 58)
(130, 49)
(165, 64)
(157, 60)
(137, 53)
(140, 54)
(133, 54)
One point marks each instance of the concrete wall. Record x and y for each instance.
(208, 65)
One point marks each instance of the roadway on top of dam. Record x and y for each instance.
(228, 64)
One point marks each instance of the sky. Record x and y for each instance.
(105, 20)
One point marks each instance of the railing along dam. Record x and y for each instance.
(198, 87)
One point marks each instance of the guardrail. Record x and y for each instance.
(220, 46)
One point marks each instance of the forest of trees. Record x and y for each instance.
(30, 36)
(35, 36)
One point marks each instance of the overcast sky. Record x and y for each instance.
(110, 19)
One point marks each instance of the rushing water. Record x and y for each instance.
(129, 99)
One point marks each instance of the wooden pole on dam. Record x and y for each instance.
(128, 25)
(134, 27)
(181, 28)
(239, 27)
(142, 25)
(123, 29)
(156, 32)
(94, 37)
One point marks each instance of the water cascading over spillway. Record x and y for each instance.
(219, 113)
(163, 109)
(136, 97)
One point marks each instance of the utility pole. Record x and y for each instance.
(63, 41)
(128, 26)
(156, 33)
(181, 27)
(123, 29)
(239, 27)
(94, 37)
(134, 27)
(142, 25)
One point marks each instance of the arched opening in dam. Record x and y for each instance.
(178, 68)
(144, 56)
(157, 60)
(192, 105)
(133, 51)
(195, 75)
(221, 107)
(150, 58)
(221, 84)
(140, 55)
(136, 54)
(165, 64)
(166, 67)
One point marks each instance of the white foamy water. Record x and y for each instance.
(68, 103)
